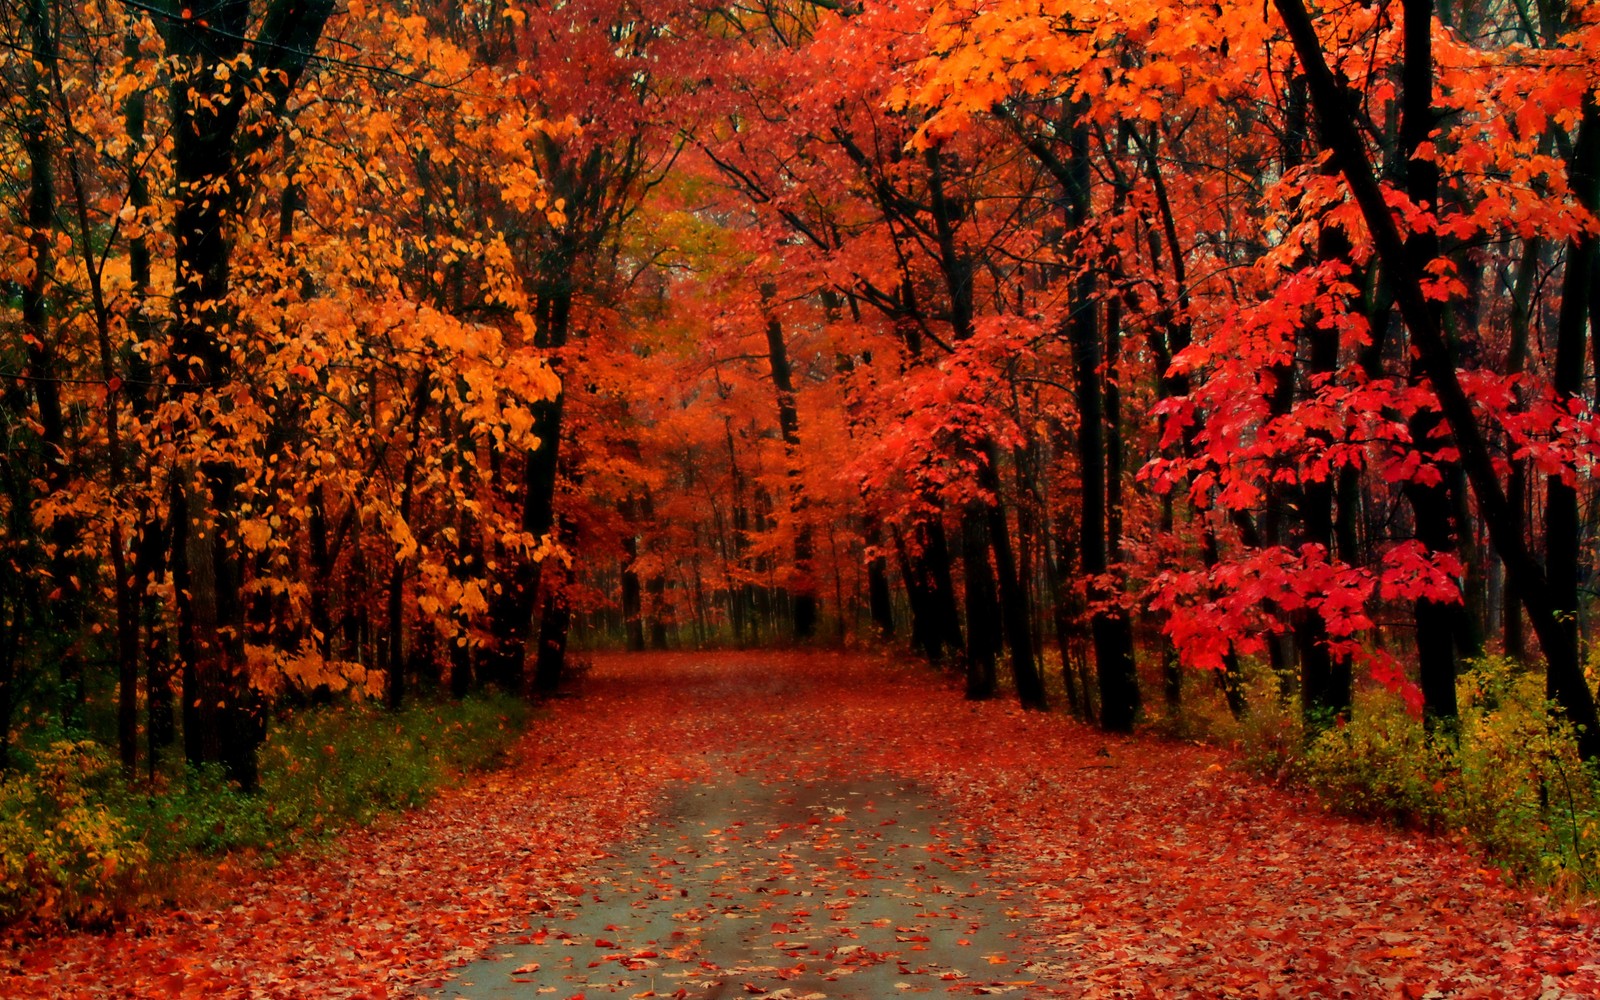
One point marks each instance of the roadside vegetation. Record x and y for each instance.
(82, 844)
(1506, 778)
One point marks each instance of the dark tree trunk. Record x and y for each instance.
(555, 622)
(1551, 609)
(1327, 682)
(935, 558)
(149, 542)
(207, 144)
(1109, 628)
(656, 586)
(632, 622)
(1513, 638)
(923, 634)
(1065, 619)
(803, 586)
(65, 597)
(983, 605)
(878, 598)
(512, 614)
(394, 691)
(1430, 501)
(1171, 669)
(10, 640)
(1013, 598)
(1565, 680)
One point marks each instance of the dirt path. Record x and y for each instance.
(795, 825)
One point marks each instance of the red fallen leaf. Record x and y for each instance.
(603, 943)
(1188, 891)
(753, 988)
(523, 970)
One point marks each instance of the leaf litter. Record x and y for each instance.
(807, 825)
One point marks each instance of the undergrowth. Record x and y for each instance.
(81, 844)
(1507, 779)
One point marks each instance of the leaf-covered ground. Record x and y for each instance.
(1071, 864)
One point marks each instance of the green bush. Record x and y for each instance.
(1381, 764)
(1507, 778)
(77, 842)
(1268, 736)
(65, 849)
(321, 770)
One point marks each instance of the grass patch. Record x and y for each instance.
(78, 843)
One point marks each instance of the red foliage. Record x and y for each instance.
(1144, 868)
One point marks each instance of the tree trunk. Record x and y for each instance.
(512, 614)
(983, 605)
(802, 586)
(1550, 608)
(1565, 681)
(1430, 501)
(1109, 627)
(64, 597)
(878, 598)
(632, 622)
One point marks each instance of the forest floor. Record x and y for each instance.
(815, 825)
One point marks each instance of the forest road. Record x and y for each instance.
(776, 877)
(810, 824)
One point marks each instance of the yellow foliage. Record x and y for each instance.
(61, 853)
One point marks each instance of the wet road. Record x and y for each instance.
(764, 884)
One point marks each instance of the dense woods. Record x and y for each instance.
(1104, 353)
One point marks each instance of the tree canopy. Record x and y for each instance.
(352, 347)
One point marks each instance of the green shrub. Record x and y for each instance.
(1269, 735)
(321, 770)
(1521, 790)
(78, 843)
(1508, 778)
(66, 850)
(1381, 764)
(197, 813)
